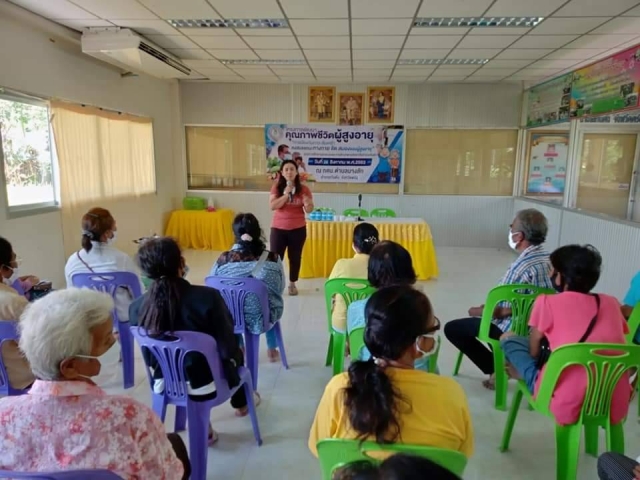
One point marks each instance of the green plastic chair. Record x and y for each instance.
(335, 453)
(355, 212)
(383, 213)
(603, 372)
(521, 298)
(356, 343)
(634, 324)
(351, 289)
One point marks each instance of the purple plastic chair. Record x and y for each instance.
(68, 475)
(8, 331)
(17, 286)
(109, 283)
(170, 355)
(235, 292)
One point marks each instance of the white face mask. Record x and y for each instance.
(112, 240)
(434, 348)
(513, 245)
(185, 271)
(15, 275)
(109, 365)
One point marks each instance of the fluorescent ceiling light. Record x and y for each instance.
(231, 23)
(477, 22)
(263, 62)
(440, 61)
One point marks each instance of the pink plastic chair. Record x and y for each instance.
(170, 355)
(235, 292)
(68, 475)
(109, 283)
(8, 332)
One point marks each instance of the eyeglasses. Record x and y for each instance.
(436, 327)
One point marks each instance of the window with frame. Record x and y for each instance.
(28, 154)
(234, 158)
(460, 162)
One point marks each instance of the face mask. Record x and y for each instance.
(434, 348)
(112, 240)
(109, 365)
(15, 275)
(558, 288)
(185, 271)
(513, 245)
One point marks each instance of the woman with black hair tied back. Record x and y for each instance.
(249, 257)
(396, 467)
(365, 237)
(384, 399)
(172, 304)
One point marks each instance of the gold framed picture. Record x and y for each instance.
(381, 103)
(322, 101)
(350, 108)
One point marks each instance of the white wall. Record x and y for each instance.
(617, 241)
(454, 220)
(38, 57)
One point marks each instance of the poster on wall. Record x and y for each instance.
(348, 154)
(548, 154)
(608, 85)
(549, 102)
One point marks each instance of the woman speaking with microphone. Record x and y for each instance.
(289, 200)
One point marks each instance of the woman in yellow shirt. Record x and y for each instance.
(385, 399)
(365, 237)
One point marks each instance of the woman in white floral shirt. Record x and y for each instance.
(67, 422)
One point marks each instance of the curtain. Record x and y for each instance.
(105, 159)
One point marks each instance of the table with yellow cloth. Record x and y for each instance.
(329, 241)
(202, 230)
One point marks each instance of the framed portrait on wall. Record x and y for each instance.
(381, 103)
(547, 154)
(322, 101)
(350, 108)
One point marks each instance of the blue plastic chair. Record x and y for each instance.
(17, 286)
(67, 475)
(109, 283)
(8, 332)
(235, 292)
(170, 355)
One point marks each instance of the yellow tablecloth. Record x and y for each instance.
(202, 230)
(329, 241)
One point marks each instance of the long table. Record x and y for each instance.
(329, 241)
(202, 230)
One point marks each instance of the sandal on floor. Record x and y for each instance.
(213, 438)
(293, 290)
(489, 384)
(244, 411)
(273, 355)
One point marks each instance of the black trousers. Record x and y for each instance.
(181, 452)
(292, 241)
(613, 466)
(463, 334)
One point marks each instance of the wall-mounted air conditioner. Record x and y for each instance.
(131, 52)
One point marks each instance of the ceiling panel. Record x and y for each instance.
(147, 27)
(496, 72)
(507, 63)
(459, 53)
(450, 70)
(436, 53)
(328, 54)
(383, 8)
(337, 42)
(576, 8)
(499, 31)
(116, 9)
(413, 70)
(393, 26)
(453, 8)
(432, 41)
(221, 42)
(291, 70)
(401, 79)
(56, 9)
(374, 63)
(320, 27)
(330, 63)
(280, 54)
(488, 41)
(172, 41)
(634, 12)
(434, 79)
(600, 41)
(544, 41)
(387, 54)
(205, 64)
(523, 8)
(247, 8)
(189, 53)
(439, 31)
(374, 72)
(333, 72)
(233, 54)
(372, 80)
(184, 9)
(375, 42)
(574, 53)
(620, 25)
(334, 80)
(544, 63)
(568, 26)
(523, 53)
(274, 43)
(315, 8)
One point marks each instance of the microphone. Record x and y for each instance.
(360, 219)
(289, 183)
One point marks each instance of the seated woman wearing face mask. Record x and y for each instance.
(385, 399)
(67, 422)
(98, 255)
(9, 271)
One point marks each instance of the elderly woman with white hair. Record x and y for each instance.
(67, 422)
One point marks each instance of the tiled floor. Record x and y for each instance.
(289, 397)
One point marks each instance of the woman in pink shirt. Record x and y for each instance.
(290, 200)
(571, 316)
